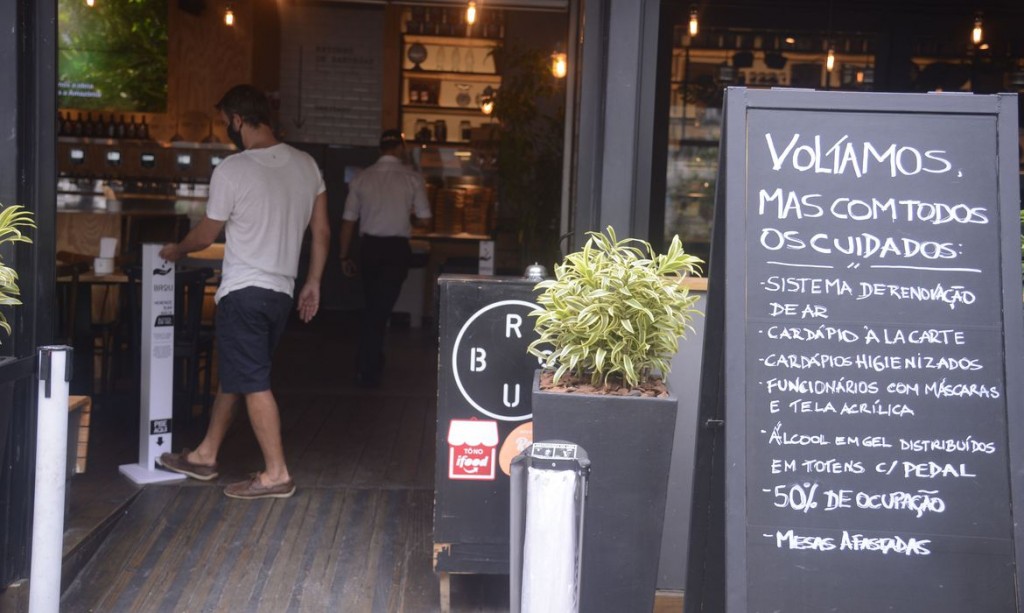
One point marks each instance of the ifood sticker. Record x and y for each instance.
(472, 449)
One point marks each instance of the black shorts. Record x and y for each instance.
(250, 322)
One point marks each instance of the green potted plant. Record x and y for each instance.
(13, 219)
(608, 324)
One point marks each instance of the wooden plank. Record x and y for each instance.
(313, 593)
(389, 543)
(353, 442)
(284, 563)
(425, 465)
(182, 560)
(83, 405)
(379, 445)
(419, 584)
(314, 463)
(100, 578)
(446, 592)
(177, 524)
(403, 466)
(349, 582)
(668, 602)
(239, 523)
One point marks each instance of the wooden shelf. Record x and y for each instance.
(454, 41)
(479, 77)
(447, 110)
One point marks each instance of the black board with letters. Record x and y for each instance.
(484, 416)
(860, 445)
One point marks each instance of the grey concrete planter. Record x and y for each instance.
(629, 441)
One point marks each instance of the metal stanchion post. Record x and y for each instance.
(548, 500)
(51, 475)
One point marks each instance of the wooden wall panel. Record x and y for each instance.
(205, 58)
(81, 232)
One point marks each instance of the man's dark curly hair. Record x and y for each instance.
(248, 103)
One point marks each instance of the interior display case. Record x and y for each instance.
(702, 67)
(460, 188)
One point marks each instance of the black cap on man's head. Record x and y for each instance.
(390, 139)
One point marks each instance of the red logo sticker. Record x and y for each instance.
(472, 449)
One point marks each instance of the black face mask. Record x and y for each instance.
(235, 136)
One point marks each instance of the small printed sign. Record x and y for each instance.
(517, 440)
(554, 451)
(472, 449)
(159, 426)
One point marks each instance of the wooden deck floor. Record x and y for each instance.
(356, 536)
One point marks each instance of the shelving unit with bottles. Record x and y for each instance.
(447, 68)
(702, 67)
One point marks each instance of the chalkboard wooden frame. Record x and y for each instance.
(712, 577)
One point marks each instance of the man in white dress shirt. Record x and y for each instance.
(386, 199)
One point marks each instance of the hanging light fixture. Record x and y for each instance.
(559, 64)
(90, 3)
(487, 100)
(694, 26)
(229, 17)
(830, 59)
(976, 32)
(471, 12)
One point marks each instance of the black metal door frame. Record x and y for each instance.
(620, 148)
(28, 110)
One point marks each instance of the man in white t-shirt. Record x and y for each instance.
(263, 198)
(386, 199)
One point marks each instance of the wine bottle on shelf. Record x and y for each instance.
(90, 126)
(111, 126)
(122, 128)
(144, 129)
(78, 127)
(132, 130)
(455, 60)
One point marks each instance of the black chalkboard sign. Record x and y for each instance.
(861, 441)
(484, 416)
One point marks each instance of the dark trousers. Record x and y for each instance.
(383, 266)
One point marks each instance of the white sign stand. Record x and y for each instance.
(157, 357)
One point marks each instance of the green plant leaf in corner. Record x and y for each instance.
(13, 219)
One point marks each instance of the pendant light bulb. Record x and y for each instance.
(487, 100)
(559, 65)
(694, 26)
(471, 12)
(976, 32)
(229, 17)
(90, 3)
(830, 59)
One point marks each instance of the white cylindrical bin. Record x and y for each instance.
(547, 500)
(51, 472)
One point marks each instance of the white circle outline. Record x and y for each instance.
(455, 352)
